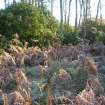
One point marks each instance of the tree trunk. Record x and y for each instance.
(5, 3)
(41, 3)
(100, 12)
(84, 3)
(30, 2)
(52, 2)
(38, 3)
(61, 16)
(97, 10)
(14, 1)
(81, 7)
(33, 2)
(65, 11)
(86, 12)
(68, 20)
(22, 1)
(76, 15)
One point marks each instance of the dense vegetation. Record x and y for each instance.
(53, 67)
(93, 31)
(37, 25)
(30, 22)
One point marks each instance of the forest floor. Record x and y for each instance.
(65, 75)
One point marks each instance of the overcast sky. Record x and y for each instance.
(72, 18)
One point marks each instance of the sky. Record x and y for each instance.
(72, 18)
(56, 11)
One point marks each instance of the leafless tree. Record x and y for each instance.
(76, 15)
(99, 8)
(81, 13)
(61, 16)
(5, 3)
(68, 18)
(52, 4)
(65, 10)
(14, 1)
(33, 2)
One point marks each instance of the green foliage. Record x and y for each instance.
(30, 22)
(11, 86)
(37, 94)
(68, 28)
(102, 80)
(79, 78)
(30, 73)
(93, 31)
(40, 85)
(71, 37)
(101, 36)
(4, 43)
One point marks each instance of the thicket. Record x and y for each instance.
(10, 87)
(38, 26)
(93, 31)
(33, 24)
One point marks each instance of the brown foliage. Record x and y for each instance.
(62, 100)
(68, 51)
(86, 97)
(15, 97)
(92, 68)
(20, 77)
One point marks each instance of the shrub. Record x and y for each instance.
(4, 43)
(79, 79)
(29, 22)
(11, 86)
(94, 31)
(68, 28)
(71, 37)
